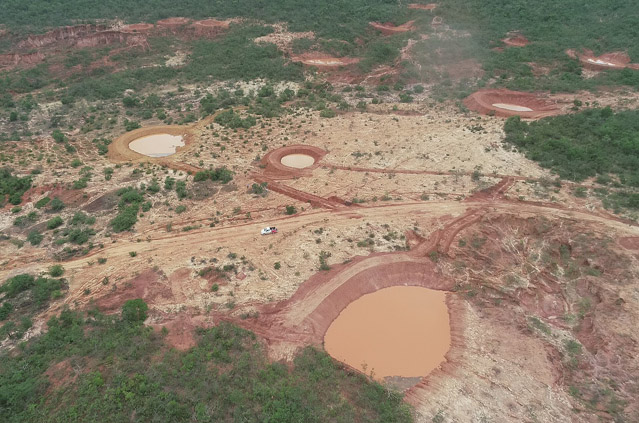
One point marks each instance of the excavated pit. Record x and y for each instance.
(507, 103)
(292, 161)
(396, 332)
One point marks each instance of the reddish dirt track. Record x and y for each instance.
(314, 200)
(483, 101)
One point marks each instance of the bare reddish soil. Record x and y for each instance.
(88, 35)
(483, 102)
(149, 285)
(429, 6)
(104, 38)
(614, 60)
(60, 374)
(630, 242)
(467, 68)
(13, 60)
(390, 29)
(515, 39)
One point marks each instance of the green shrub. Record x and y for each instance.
(56, 270)
(126, 218)
(221, 174)
(42, 202)
(55, 222)
(5, 310)
(229, 119)
(134, 311)
(56, 204)
(328, 113)
(290, 209)
(12, 186)
(58, 136)
(17, 284)
(80, 218)
(35, 237)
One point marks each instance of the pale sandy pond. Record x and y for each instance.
(298, 161)
(157, 145)
(512, 107)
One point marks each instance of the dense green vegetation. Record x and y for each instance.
(12, 186)
(552, 27)
(23, 296)
(343, 19)
(129, 205)
(593, 143)
(128, 374)
(221, 174)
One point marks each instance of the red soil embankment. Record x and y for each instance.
(104, 38)
(12, 60)
(507, 103)
(304, 318)
(65, 33)
(274, 169)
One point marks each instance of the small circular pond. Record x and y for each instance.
(402, 331)
(157, 145)
(297, 161)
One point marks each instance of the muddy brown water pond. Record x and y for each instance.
(157, 145)
(298, 161)
(402, 331)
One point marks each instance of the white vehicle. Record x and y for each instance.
(269, 230)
